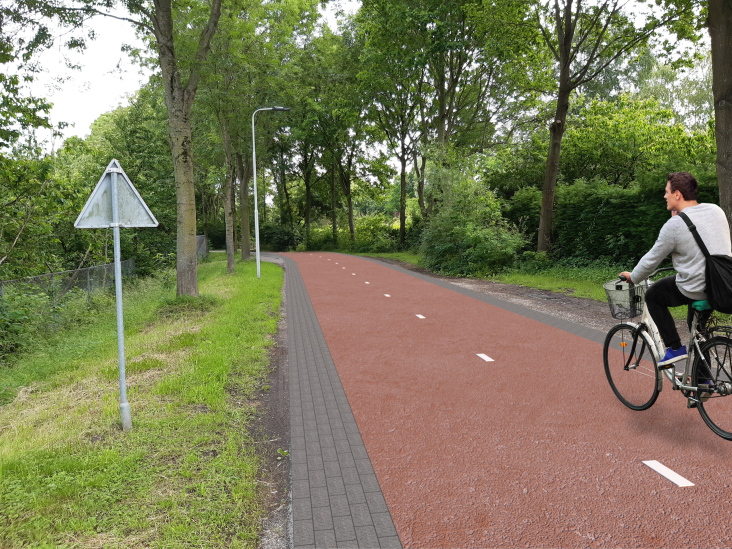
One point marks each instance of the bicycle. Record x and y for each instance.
(631, 353)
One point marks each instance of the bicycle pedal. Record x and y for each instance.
(691, 403)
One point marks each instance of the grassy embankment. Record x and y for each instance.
(186, 474)
(405, 257)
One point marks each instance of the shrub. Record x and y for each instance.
(467, 235)
(373, 233)
(276, 238)
(597, 221)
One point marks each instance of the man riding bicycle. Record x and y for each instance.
(675, 238)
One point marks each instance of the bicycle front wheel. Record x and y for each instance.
(633, 379)
(715, 406)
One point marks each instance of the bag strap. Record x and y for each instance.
(694, 233)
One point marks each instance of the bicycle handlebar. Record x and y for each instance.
(654, 273)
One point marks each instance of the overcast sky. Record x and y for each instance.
(106, 78)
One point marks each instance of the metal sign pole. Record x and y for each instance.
(254, 166)
(115, 203)
(124, 406)
(256, 198)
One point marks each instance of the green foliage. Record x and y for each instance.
(30, 313)
(468, 236)
(165, 269)
(596, 220)
(276, 238)
(372, 233)
(620, 142)
(615, 160)
(137, 136)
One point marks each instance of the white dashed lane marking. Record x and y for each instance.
(419, 316)
(354, 274)
(366, 283)
(668, 473)
(387, 295)
(485, 357)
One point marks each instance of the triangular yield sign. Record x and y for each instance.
(97, 212)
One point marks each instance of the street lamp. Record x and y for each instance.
(254, 164)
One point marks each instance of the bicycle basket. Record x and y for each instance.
(625, 300)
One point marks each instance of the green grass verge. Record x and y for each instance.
(186, 474)
(217, 256)
(578, 281)
(406, 257)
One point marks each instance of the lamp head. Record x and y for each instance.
(280, 108)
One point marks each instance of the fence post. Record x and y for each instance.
(88, 286)
(53, 302)
(2, 296)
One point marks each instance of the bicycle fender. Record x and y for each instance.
(651, 346)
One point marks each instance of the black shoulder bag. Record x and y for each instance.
(718, 273)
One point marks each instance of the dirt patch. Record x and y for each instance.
(580, 310)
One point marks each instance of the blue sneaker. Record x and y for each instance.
(672, 356)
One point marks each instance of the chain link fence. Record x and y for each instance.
(49, 301)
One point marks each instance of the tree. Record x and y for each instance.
(182, 36)
(584, 42)
(720, 31)
(392, 79)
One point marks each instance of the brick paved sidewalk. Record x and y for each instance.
(336, 497)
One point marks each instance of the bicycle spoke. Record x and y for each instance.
(635, 386)
(715, 409)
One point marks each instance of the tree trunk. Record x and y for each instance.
(308, 205)
(179, 101)
(244, 178)
(228, 193)
(419, 171)
(403, 200)
(185, 249)
(229, 218)
(441, 102)
(351, 225)
(345, 177)
(205, 219)
(333, 204)
(263, 200)
(288, 204)
(720, 31)
(233, 203)
(556, 132)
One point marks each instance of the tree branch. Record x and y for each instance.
(95, 11)
(545, 34)
(203, 46)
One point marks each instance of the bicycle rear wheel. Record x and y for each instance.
(633, 379)
(715, 407)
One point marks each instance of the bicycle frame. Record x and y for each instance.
(647, 329)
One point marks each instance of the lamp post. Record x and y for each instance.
(254, 166)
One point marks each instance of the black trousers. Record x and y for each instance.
(660, 296)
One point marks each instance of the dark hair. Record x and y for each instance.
(685, 183)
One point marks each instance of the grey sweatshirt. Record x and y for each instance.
(676, 239)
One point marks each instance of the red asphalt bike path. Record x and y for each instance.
(530, 450)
